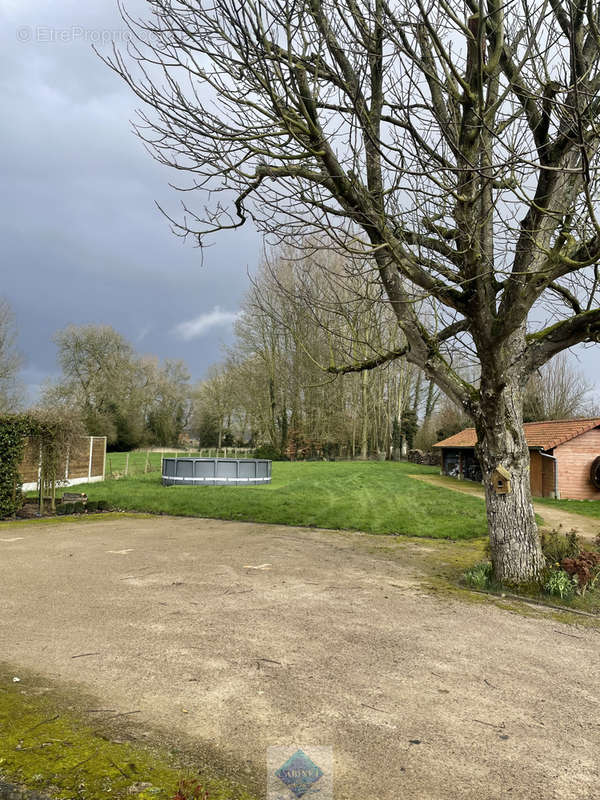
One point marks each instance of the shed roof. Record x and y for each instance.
(539, 435)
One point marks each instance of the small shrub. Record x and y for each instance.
(479, 576)
(78, 507)
(270, 452)
(67, 508)
(584, 570)
(61, 510)
(556, 546)
(560, 584)
(102, 505)
(92, 505)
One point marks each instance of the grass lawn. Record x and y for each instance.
(376, 497)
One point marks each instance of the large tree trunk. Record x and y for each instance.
(514, 541)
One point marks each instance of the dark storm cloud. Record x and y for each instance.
(82, 239)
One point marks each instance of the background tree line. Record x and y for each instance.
(272, 388)
(303, 315)
(131, 399)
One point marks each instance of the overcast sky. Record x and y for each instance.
(82, 240)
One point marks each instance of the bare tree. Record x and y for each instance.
(10, 361)
(454, 153)
(557, 391)
(213, 400)
(303, 316)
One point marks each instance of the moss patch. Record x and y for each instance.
(47, 745)
(80, 519)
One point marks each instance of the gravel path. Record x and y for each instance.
(242, 636)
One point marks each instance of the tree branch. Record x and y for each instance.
(369, 363)
(542, 346)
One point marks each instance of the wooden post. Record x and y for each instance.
(146, 464)
(90, 458)
(41, 482)
(127, 465)
(41, 490)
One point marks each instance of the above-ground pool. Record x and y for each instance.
(215, 471)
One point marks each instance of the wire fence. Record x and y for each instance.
(143, 462)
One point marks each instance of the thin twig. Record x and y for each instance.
(382, 710)
(117, 767)
(43, 722)
(122, 714)
(100, 710)
(572, 635)
(85, 760)
(489, 724)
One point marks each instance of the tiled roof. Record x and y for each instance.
(542, 435)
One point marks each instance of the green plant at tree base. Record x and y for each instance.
(479, 576)
(556, 546)
(560, 584)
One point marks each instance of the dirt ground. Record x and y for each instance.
(588, 527)
(242, 636)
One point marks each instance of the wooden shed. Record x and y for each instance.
(561, 452)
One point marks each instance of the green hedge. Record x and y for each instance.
(14, 430)
(50, 430)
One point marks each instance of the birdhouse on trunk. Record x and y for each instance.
(501, 480)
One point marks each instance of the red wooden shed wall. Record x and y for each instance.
(574, 463)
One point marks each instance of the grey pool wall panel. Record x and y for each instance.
(215, 471)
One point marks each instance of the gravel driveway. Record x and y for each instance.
(243, 636)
